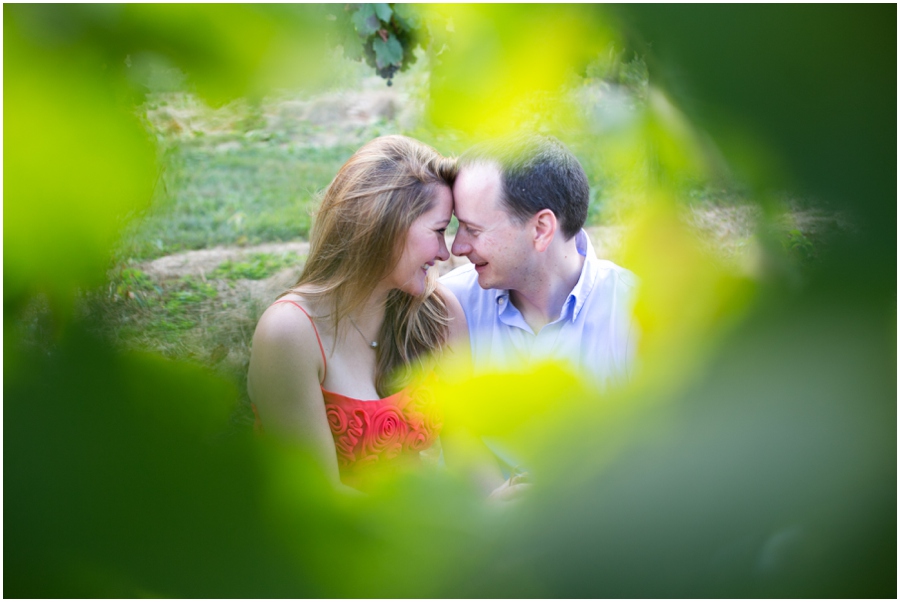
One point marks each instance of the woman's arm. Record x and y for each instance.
(286, 368)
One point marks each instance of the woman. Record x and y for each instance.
(332, 358)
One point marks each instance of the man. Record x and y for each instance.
(535, 290)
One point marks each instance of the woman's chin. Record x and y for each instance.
(415, 286)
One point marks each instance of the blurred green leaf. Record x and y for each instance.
(365, 20)
(77, 163)
(383, 11)
(406, 17)
(777, 104)
(500, 56)
(387, 52)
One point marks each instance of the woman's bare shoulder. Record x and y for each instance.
(286, 369)
(286, 334)
(286, 318)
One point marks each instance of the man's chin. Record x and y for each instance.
(484, 279)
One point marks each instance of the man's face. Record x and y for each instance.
(488, 235)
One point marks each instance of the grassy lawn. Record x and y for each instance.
(240, 194)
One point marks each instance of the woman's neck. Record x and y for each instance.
(369, 315)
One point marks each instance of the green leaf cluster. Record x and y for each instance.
(799, 244)
(385, 35)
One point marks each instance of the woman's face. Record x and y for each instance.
(424, 245)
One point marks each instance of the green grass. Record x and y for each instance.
(242, 194)
(207, 321)
(260, 266)
(162, 307)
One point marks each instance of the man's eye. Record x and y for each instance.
(441, 230)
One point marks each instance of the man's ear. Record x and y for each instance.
(545, 225)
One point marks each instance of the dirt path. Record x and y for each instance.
(606, 240)
(201, 262)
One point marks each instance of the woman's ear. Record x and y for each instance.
(545, 225)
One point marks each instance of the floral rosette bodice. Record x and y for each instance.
(382, 431)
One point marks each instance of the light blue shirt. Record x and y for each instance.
(594, 334)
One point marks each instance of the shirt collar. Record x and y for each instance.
(576, 299)
(507, 312)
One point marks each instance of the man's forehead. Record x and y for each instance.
(477, 187)
(485, 172)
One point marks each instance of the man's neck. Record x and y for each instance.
(548, 286)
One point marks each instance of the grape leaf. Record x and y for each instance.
(352, 48)
(366, 9)
(347, 37)
(406, 17)
(365, 20)
(383, 11)
(373, 24)
(387, 53)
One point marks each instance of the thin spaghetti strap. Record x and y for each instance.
(316, 330)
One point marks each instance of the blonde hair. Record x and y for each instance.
(358, 237)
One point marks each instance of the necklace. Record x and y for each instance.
(372, 344)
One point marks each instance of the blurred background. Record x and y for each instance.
(161, 163)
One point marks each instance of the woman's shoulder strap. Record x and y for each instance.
(316, 330)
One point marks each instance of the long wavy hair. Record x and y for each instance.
(358, 237)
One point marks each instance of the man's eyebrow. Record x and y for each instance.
(466, 222)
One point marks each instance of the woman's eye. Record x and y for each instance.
(441, 230)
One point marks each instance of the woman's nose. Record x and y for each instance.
(443, 253)
(460, 247)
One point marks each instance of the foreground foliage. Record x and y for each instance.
(754, 457)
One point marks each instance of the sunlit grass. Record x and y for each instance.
(244, 195)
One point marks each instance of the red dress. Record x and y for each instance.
(386, 432)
